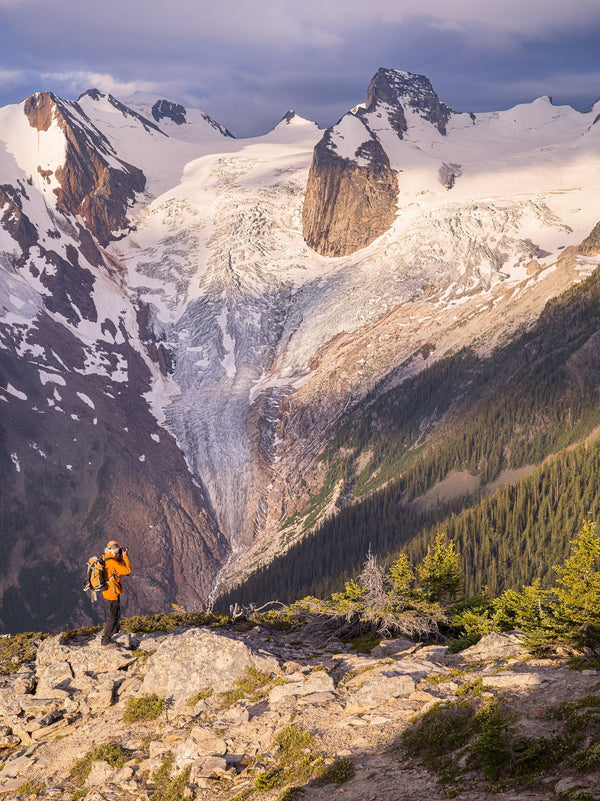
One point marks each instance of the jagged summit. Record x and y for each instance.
(172, 111)
(402, 130)
(292, 118)
(174, 118)
(406, 91)
(102, 97)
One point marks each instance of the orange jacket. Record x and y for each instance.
(115, 568)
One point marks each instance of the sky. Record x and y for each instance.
(246, 62)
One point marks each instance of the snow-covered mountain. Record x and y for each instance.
(194, 311)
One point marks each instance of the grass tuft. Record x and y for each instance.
(146, 707)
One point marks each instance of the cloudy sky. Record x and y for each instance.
(246, 62)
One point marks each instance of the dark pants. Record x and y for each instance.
(112, 621)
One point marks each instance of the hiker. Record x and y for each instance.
(117, 564)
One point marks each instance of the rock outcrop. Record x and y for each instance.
(591, 244)
(348, 204)
(352, 189)
(229, 697)
(93, 182)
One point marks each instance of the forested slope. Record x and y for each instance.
(533, 402)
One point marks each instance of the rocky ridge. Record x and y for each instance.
(354, 706)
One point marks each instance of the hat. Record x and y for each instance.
(112, 544)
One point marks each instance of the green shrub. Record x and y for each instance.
(296, 746)
(290, 793)
(491, 751)
(201, 695)
(444, 728)
(489, 735)
(86, 631)
(146, 624)
(471, 689)
(458, 644)
(168, 787)
(366, 642)
(587, 760)
(576, 794)
(342, 770)
(252, 685)
(30, 787)
(146, 707)
(113, 753)
(268, 779)
(297, 759)
(16, 650)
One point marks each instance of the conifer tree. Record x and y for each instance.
(578, 587)
(440, 570)
(401, 576)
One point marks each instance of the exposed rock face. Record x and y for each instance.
(351, 196)
(91, 186)
(347, 205)
(72, 470)
(591, 245)
(201, 660)
(13, 220)
(172, 111)
(397, 89)
(118, 475)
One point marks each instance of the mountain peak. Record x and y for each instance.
(289, 117)
(408, 91)
(98, 97)
(172, 111)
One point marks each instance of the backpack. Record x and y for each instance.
(96, 577)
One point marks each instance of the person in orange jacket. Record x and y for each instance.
(117, 564)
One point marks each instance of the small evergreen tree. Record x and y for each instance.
(440, 570)
(531, 610)
(401, 576)
(578, 588)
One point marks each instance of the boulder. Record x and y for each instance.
(100, 773)
(376, 692)
(19, 765)
(495, 646)
(56, 676)
(61, 666)
(318, 682)
(103, 697)
(207, 742)
(51, 651)
(389, 648)
(514, 681)
(93, 659)
(209, 767)
(199, 659)
(7, 738)
(201, 743)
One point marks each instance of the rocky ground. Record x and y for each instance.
(227, 695)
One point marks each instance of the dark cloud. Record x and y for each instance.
(247, 61)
